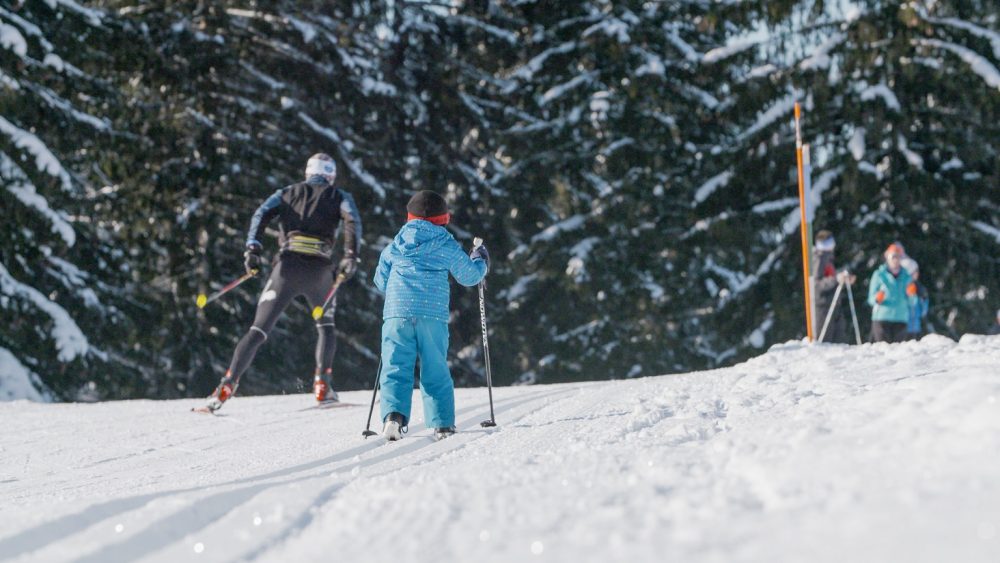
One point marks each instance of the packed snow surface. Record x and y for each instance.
(807, 453)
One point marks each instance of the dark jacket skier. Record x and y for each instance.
(309, 215)
(995, 328)
(825, 282)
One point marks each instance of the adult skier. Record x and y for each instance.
(888, 299)
(826, 279)
(413, 273)
(309, 215)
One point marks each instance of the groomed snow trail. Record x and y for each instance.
(807, 453)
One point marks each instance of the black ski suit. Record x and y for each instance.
(825, 285)
(309, 214)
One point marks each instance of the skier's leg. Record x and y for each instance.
(436, 385)
(326, 347)
(878, 332)
(273, 300)
(326, 340)
(838, 329)
(399, 357)
(898, 332)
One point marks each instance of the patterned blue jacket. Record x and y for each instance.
(413, 271)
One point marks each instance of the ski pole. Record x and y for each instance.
(203, 299)
(829, 315)
(477, 242)
(378, 380)
(320, 309)
(854, 314)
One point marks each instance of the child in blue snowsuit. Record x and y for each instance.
(413, 273)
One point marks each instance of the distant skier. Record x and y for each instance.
(887, 296)
(826, 279)
(413, 273)
(995, 329)
(917, 300)
(309, 214)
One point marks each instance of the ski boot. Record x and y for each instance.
(394, 427)
(443, 432)
(323, 392)
(222, 393)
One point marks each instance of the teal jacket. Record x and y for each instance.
(413, 271)
(896, 306)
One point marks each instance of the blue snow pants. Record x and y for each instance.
(403, 340)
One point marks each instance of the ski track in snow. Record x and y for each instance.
(806, 453)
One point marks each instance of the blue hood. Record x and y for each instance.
(413, 271)
(420, 237)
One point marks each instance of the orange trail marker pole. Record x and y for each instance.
(805, 226)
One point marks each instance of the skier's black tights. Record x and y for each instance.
(293, 276)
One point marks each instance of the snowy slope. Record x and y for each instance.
(829, 453)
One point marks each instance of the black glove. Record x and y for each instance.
(480, 252)
(251, 258)
(348, 266)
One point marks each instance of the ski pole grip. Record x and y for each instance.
(477, 241)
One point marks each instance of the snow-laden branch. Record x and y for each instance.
(992, 36)
(93, 17)
(508, 36)
(794, 219)
(44, 159)
(780, 109)
(527, 71)
(19, 185)
(11, 38)
(724, 52)
(709, 187)
(988, 229)
(352, 164)
(557, 91)
(28, 27)
(59, 103)
(69, 339)
(820, 58)
(977, 62)
(17, 381)
(881, 91)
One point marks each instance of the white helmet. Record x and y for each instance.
(321, 164)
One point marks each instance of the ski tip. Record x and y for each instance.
(202, 410)
(201, 300)
(317, 313)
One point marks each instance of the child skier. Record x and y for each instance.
(413, 273)
(917, 296)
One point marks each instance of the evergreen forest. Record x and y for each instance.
(631, 166)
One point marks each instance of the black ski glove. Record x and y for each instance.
(251, 258)
(480, 252)
(348, 266)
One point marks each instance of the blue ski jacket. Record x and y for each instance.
(919, 306)
(413, 271)
(896, 306)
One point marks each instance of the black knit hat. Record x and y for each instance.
(425, 204)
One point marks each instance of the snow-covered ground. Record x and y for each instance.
(807, 453)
